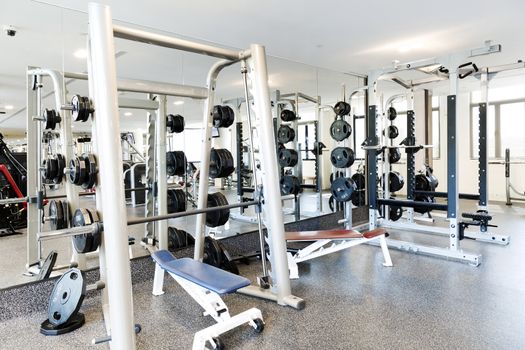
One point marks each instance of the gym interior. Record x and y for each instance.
(262, 175)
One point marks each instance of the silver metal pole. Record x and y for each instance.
(104, 77)
(207, 124)
(162, 189)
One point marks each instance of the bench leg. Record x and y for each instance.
(158, 281)
(292, 266)
(386, 252)
(207, 334)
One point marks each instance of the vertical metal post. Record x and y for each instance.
(319, 160)
(33, 173)
(102, 73)
(507, 176)
(272, 192)
(483, 157)
(452, 166)
(162, 189)
(371, 140)
(411, 158)
(149, 206)
(240, 164)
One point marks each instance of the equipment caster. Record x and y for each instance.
(259, 325)
(219, 345)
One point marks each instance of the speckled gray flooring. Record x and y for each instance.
(352, 302)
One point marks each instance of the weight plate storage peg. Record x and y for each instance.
(290, 185)
(342, 108)
(221, 163)
(66, 298)
(391, 113)
(340, 130)
(342, 189)
(342, 157)
(394, 155)
(285, 134)
(81, 108)
(176, 201)
(288, 115)
(88, 242)
(175, 123)
(288, 157)
(223, 116)
(51, 119)
(391, 131)
(218, 217)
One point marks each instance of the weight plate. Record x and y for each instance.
(77, 171)
(394, 155)
(97, 237)
(287, 157)
(340, 130)
(82, 243)
(342, 108)
(212, 252)
(342, 157)
(285, 134)
(66, 298)
(392, 113)
(391, 131)
(342, 189)
(426, 199)
(176, 201)
(221, 163)
(359, 180)
(91, 173)
(175, 163)
(218, 217)
(288, 115)
(396, 181)
(358, 198)
(51, 118)
(395, 212)
(334, 205)
(50, 168)
(175, 123)
(422, 183)
(61, 164)
(56, 215)
(290, 185)
(223, 116)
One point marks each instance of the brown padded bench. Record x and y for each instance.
(332, 234)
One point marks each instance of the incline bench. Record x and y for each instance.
(346, 238)
(205, 284)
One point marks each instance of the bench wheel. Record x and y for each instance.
(219, 345)
(259, 325)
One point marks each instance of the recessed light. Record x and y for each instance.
(178, 103)
(127, 114)
(80, 53)
(9, 107)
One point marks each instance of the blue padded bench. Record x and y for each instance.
(204, 275)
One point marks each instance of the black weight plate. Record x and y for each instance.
(82, 243)
(91, 167)
(212, 252)
(394, 155)
(223, 116)
(97, 237)
(176, 201)
(175, 123)
(66, 298)
(392, 113)
(391, 131)
(171, 163)
(47, 266)
(342, 108)
(426, 199)
(422, 183)
(288, 157)
(290, 185)
(77, 171)
(359, 180)
(53, 215)
(358, 198)
(50, 168)
(395, 213)
(221, 163)
(340, 130)
(342, 189)
(342, 157)
(218, 217)
(85, 108)
(336, 175)
(285, 134)
(75, 111)
(61, 164)
(52, 118)
(334, 205)
(396, 181)
(288, 115)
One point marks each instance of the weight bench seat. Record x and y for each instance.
(204, 275)
(332, 234)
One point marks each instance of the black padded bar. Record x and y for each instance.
(412, 204)
(471, 196)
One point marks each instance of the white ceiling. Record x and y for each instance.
(341, 36)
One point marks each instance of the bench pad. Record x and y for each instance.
(331, 234)
(204, 275)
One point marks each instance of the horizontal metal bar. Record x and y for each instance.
(445, 194)
(411, 204)
(174, 43)
(134, 103)
(147, 86)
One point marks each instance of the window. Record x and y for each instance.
(436, 131)
(505, 122)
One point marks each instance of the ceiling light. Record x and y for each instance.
(127, 114)
(9, 107)
(80, 53)
(178, 103)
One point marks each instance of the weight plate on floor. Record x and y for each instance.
(285, 134)
(342, 189)
(342, 157)
(342, 108)
(340, 130)
(290, 185)
(287, 157)
(66, 298)
(288, 115)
